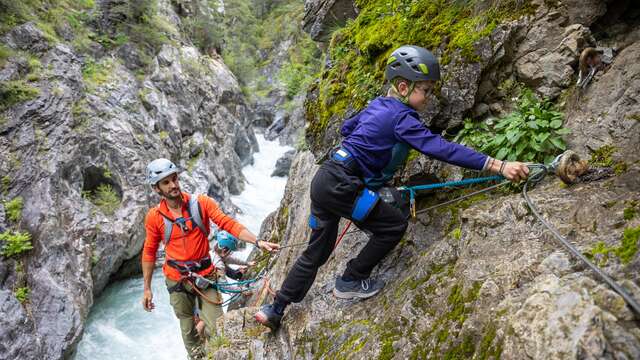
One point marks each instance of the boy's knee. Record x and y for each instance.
(311, 260)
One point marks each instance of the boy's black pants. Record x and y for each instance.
(334, 189)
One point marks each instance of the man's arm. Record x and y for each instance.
(236, 229)
(247, 236)
(147, 275)
(149, 249)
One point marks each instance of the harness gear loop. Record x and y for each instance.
(205, 297)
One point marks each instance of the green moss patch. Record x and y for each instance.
(629, 244)
(631, 210)
(96, 73)
(603, 156)
(626, 251)
(14, 92)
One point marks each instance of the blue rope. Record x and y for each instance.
(242, 282)
(412, 189)
(451, 183)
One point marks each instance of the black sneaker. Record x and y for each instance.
(268, 317)
(357, 289)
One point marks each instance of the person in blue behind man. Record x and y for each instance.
(376, 143)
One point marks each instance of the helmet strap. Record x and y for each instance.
(404, 99)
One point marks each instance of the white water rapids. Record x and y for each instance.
(118, 327)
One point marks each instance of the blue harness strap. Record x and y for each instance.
(365, 202)
(341, 155)
(314, 224)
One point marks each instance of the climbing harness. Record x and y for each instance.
(234, 288)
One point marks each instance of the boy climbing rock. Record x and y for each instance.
(376, 143)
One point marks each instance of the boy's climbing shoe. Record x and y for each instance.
(357, 288)
(268, 317)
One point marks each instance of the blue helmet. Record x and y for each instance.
(226, 240)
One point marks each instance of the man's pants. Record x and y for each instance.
(334, 189)
(183, 303)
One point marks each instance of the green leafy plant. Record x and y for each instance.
(14, 209)
(106, 199)
(15, 243)
(532, 132)
(22, 294)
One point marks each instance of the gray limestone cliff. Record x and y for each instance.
(75, 152)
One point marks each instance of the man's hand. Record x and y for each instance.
(147, 300)
(515, 171)
(268, 246)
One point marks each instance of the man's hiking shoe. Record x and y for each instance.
(357, 289)
(268, 317)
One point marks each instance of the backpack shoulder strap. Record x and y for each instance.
(168, 227)
(196, 213)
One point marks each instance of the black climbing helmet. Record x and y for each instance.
(412, 63)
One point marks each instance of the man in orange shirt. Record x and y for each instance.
(181, 222)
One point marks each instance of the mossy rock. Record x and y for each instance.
(358, 51)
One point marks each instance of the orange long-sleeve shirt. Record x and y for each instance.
(192, 245)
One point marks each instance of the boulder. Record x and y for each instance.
(27, 37)
(284, 164)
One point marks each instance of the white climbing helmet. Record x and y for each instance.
(158, 169)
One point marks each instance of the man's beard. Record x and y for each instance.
(169, 196)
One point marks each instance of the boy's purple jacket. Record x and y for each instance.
(371, 135)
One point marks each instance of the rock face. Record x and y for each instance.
(484, 279)
(281, 115)
(80, 134)
(321, 16)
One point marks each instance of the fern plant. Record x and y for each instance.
(15, 243)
